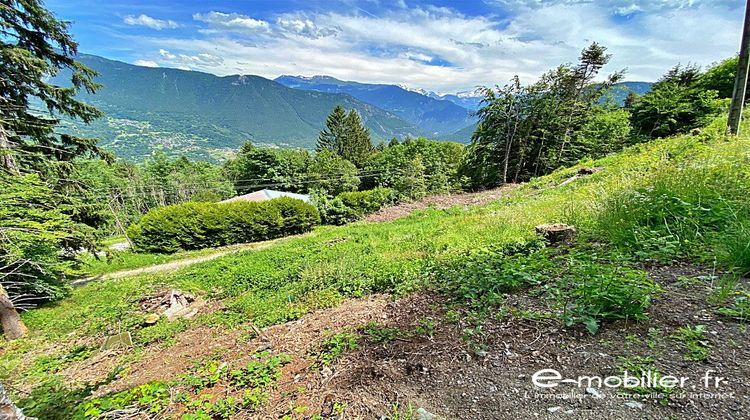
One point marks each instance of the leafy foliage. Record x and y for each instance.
(678, 102)
(33, 231)
(417, 167)
(351, 206)
(525, 131)
(256, 167)
(37, 246)
(720, 77)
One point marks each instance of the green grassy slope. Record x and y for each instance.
(686, 197)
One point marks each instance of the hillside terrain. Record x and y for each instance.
(447, 311)
(208, 117)
(205, 116)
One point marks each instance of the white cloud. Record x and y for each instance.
(231, 21)
(148, 21)
(443, 50)
(304, 27)
(146, 63)
(192, 62)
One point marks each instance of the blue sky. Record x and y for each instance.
(440, 45)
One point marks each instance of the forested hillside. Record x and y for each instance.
(202, 115)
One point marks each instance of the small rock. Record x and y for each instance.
(263, 347)
(594, 392)
(481, 353)
(423, 414)
(326, 372)
(554, 409)
(634, 405)
(151, 319)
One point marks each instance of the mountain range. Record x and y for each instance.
(208, 117)
(433, 115)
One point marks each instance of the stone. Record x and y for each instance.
(594, 392)
(554, 409)
(634, 405)
(118, 340)
(423, 414)
(556, 233)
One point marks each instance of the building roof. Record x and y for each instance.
(264, 195)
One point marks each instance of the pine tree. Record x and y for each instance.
(35, 46)
(357, 146)
(332, 136)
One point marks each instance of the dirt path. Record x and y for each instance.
(174, 265)
(441, 201)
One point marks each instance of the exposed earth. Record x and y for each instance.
(418, 356)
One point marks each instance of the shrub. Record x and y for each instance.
(296, 215)
(417, 167)
(333, 211)
(369, 201)
(202, 225)
(348, 207)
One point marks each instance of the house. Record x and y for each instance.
(264, 195)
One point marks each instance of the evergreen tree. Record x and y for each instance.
(357, 145)
(34, 46)
(332, 136)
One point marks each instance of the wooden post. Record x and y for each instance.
(740, 81)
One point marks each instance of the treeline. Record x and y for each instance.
(568, 114)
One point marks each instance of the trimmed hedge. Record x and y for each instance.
(351, 206)
(204, 225)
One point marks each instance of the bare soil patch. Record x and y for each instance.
(446, 374)
(464, 368)
(441, 201)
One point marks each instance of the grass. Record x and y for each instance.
(695, 190)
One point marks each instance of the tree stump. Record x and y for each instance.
(8, 410)
(557, 233)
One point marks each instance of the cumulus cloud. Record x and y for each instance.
(148, 21)
(231, 21)
(304, 27)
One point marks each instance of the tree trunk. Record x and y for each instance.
(8, 410)
(12, 325)
(6, 157)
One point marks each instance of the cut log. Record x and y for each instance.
(557, 233)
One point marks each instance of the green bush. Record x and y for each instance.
(369, 201)
(351, 206)
(203, 225)
(296, 215)
(333, 211)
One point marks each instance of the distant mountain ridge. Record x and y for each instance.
(206, 116)
(209, 117)
(434, 116)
